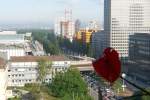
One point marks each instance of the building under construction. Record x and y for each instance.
(65, 26)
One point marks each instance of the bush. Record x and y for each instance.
(33, 87)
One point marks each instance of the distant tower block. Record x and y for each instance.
(65, 26)
(68, 14)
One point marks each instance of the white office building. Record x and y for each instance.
(11, 37)
(12, 50)
(24, 69)
(122, 18)
(8, 32)
(12, 43)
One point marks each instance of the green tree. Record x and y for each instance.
(69, 84)
(41, 69)
(44, 68)
(49, 41)
(15, 98)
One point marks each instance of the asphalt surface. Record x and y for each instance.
(94, 86)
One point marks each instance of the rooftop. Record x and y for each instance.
(82, 65)
(37, 58)
(11, 37)
(10, 46)
(8, 32)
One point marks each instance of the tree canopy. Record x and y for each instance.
(49, 41)
(54, 45)
(43, 68)
(69, 85)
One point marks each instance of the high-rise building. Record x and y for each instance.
(123, 18)
(139, 57)
(86, 36)
(139, 48)
(79, 34)
(77, 25)
(65, 26)
(97, 43)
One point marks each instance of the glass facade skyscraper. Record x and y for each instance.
(139, 48)
(123, 18)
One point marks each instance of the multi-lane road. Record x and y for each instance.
(97, 90)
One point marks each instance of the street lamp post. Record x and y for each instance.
(123, 85)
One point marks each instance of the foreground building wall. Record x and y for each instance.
(3, 79)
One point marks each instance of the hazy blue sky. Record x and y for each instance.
(46, 11)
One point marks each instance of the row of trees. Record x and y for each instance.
(54, 45)
(76, 46)
(49, 41)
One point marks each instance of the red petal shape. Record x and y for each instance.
(108, 66)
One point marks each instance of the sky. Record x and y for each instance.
(44, 12)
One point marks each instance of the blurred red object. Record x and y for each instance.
(108, 66)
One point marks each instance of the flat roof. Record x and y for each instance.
(37, 58)
(9, 37)
(7, 32)
(11, 46)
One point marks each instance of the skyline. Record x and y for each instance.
(44, 12)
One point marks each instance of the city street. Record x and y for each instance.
(93, 85)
